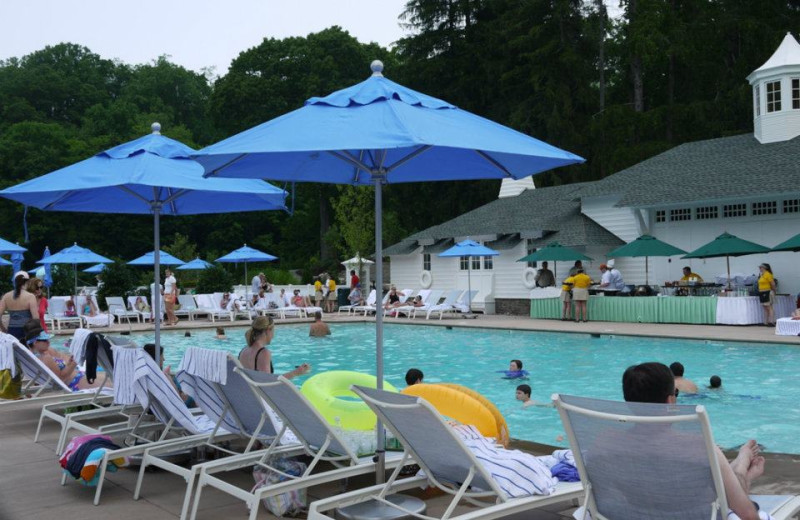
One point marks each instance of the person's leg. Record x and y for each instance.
(748, 466)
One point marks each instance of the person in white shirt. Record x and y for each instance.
(170, 296)
(615, 280)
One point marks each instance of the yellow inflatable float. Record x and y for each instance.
(465, 406)
(330, 394)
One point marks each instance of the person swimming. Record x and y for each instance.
(514, 370)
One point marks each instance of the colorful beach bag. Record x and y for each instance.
(291, 503)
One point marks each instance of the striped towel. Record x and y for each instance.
(124, 370)
(7, 353)
(209, 364)
(77, 346)
(516, 473)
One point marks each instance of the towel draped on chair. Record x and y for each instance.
(206, 363)
(7, 353)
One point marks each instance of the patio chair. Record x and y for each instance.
(226, 399)
(448, 465)
(319, 441)
(463, 303)
(145, 315)
(367, 308)
(370, 301)
(446, 306)
(644, 460)
(116, 307)
(242, 312)
(406, 310)
(102, 319)
(58, 310)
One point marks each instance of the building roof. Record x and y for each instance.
(716, 169)
(543, 213)
(787, 53)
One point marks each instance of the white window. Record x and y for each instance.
(707, 212)
(476, 263)
(676, 215)
(488, 263)
(734, 210)
(765, 208)
(791, 206)
(795, 93)
(530, 249)
(773, 96)
(426, 261)
(757, 99)
(661, 215)
(463, 263)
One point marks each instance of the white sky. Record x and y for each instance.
(194, 33)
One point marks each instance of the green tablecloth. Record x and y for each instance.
(639, 309)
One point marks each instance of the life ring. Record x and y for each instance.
(461, 404)
(330, 394)
(503, 436)
(426, 279)
(529, 277)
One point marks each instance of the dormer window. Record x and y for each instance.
(757, 99)
(773, 96)
(796, 93)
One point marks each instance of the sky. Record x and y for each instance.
(196, 34)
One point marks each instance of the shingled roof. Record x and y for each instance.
(553, 213)
(715, 169)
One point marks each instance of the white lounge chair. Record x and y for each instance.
(101, 319)
(463, 303)
(145, 315)
(237, 308)
(189, 307)
(370, 301)
(406, 310)
(58, 310)
(116, 307)
(317, 438)
(447, 463)
(644, 460)
(205, 303)
(448, 305)
(367, 308)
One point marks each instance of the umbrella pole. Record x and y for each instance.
(246, 287)
(728, 261)
(469, 284)
(380, 467)
(647, 270)
(156, 293)
(75, 292)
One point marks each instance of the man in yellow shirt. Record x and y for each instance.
(330, 298)
(688, 275)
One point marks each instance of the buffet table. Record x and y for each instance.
(707, 310)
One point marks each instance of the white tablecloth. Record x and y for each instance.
(540, 293)
(748, 310)
(787, 327)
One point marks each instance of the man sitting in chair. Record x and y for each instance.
(654, 383)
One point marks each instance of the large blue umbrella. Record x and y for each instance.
(74, 255)
(195, 265)
(150, 175)
(150, 259)
(379, 132)
(246, 254)
(469, 248)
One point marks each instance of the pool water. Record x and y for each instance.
(761, 396)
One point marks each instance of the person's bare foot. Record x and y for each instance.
(756, 468)
(747, 451)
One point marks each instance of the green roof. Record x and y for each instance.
(728, 168)
(552, 213)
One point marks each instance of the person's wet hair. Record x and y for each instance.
(150, 348)
(317, 315)
(648, 383)
(518, 363)
(715, 382)
(677, 369)
(525, 389)
(414, 376)
(220, 331)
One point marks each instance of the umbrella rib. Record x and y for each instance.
(348, 158)
(408, 157)
(58, 200)
(134, 194)
(493, 162)
(215, 171)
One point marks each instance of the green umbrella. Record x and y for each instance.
(793, 244)
(727, 245)
(646, 246)
(554, 252)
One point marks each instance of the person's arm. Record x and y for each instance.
(64, 374)
(772, 285)
(298, 371)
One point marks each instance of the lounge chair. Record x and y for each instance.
(787, 327)
(205, 304)
(370, 301)
(101, 319)
(116, 307)
(269, 306)
(58, 310)
(446, 306)
(447, 463)
(406, 310)
(643, 460)
(189, 307)
(318, 440)
(145, 315)
(242, 312)
(231, 404)
(367, 308)
(463, 303)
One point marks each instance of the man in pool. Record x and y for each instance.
(654, 383)
(685, 386)
(414, 376)
(524, 395)
(715, 383)
(319, 328)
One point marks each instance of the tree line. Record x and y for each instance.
(613, 90)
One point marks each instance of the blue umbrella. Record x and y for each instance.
(149, 259)
(469, 248)
(3, 261)
(246, 254)
(48, 271)
(195, 265)
(95, 269)
(379, 132)
(150, 175)
(74, 255)
(16, 262)
(7, 247)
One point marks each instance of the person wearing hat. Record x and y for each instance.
(21, 306)
(39, 342)
(615, 277)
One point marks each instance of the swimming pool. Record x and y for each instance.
(761, 396)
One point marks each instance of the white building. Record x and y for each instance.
(747, 185)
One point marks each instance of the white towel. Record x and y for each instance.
(77, 346)
(209, 364)
(124, 371)
(7, 353)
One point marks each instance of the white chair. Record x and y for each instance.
(145, 315)
(205, 304)
(58, 310)
(371, 297)
(100, 319)
(237, 308)
(448, 305)
(406, 310)
(367, 308)
(116, 307)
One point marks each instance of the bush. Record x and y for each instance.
(63, 280)
(118, 280)
(280, 277)
(214, 279)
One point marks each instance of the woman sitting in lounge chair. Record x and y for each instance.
(300, 301)
(92, 315)
(394, 299)
(228, 303)
(141, 305)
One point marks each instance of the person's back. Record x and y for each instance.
(20, 304)
(683, 385)
(615, 279)
(319, 328)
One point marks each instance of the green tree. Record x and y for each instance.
(214, 279)
(119, 279)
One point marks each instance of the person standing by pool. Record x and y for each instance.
(566, 298)
(580, 294)
(544, 277)
(257, 356)
(686, 386)
(317, 291)
(21, 306)
(319, 329)
(330, 298)
(766, 293)
(170, 296)
(354, 279)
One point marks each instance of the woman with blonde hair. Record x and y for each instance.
(257, 356)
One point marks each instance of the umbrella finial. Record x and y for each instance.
(156, 128)
(377, 68)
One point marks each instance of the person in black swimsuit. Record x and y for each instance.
(257, 356)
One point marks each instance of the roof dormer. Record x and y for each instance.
(776, 94)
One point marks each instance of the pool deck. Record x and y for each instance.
(30, 476)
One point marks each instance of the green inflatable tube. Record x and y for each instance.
(330, 394)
